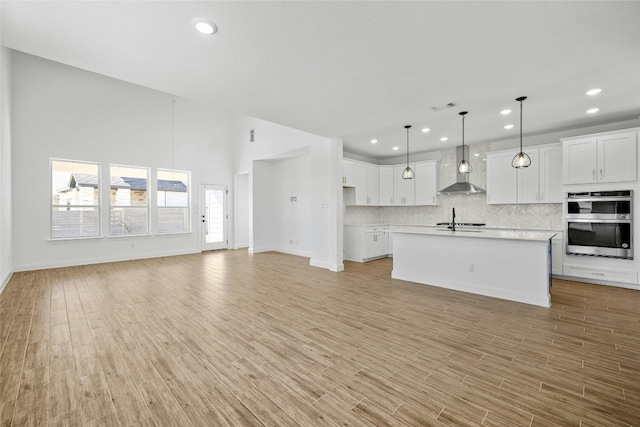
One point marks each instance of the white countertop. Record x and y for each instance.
(482, 234)
(487, 228)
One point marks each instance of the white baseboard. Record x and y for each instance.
(294, 252)
(5, 281)
(259, 250)
(326, 265)
(99, 260)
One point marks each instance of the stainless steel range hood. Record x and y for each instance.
(462, 184)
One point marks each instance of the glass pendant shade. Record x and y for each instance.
(464, 167)
(407, 173)
(521, 160)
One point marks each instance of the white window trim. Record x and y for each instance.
(148, 205)
(51, 205)
(189, 208)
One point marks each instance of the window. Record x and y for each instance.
(128, 200)
(173, 201)
(75, 199)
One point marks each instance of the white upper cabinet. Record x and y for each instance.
(539, 183)
(367, 184)
(386, 185)
(551, 174)
(502, 184)
(348, 173)
(617, 157)
(601, 158)
(426, 182)
(361, 184)
(528, 179)
(403, 189)
(373, 185)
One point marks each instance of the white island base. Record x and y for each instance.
(510, 265)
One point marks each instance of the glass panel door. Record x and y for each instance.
(214, 217)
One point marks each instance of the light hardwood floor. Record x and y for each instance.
(227, 338)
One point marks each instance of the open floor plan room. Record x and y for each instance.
(228, 338)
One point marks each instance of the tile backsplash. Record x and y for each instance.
(469, 208)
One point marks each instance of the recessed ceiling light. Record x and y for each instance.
(594, 92)
(374, 141)
(204, 26)
(508, 126)
(425, 130)
(396, 148)
(476, 154)
(443, 139)
(593, 110)
(505, 112)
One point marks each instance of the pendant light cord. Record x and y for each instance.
(520, 99)
(407, 127)
(173, 102)
(463, 117)
(521, 125)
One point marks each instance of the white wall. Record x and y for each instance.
(241, 206)
(294, 220)
(276, 142)
(282, 224)
(60, 111)
(6, 239)
(265, 207)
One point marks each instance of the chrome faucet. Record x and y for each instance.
(453, 219)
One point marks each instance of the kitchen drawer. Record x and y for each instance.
(623, 276)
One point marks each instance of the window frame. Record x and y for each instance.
(98, 207)
(158, 207)
(147, 206)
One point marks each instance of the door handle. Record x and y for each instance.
(601, 174)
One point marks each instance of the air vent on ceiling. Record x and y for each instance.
(444, 106)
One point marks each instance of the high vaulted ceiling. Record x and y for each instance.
(360, 70)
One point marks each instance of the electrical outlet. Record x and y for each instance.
(472, 268)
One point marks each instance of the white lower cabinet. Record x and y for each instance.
(557, 255)
(601, 274)
(365, 242)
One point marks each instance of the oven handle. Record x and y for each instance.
(576, 218)
(600, 199)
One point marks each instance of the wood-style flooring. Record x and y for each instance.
(231, 339)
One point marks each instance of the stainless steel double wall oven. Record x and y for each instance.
(600, 223)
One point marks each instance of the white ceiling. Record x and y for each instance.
(360, 70)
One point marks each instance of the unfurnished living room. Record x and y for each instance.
(279, 213)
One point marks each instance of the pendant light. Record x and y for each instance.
(407, 173)
(463, 166)
(521, 160)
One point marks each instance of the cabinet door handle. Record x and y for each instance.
(594, 175)
(601, 174)
(542, 196)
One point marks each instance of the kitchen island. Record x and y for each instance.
(512, 265)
